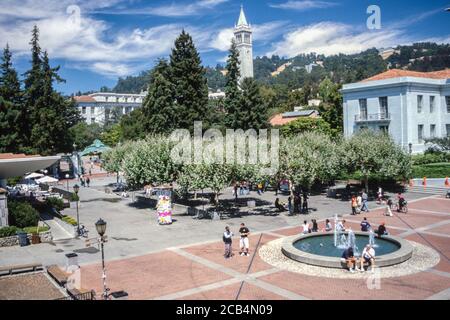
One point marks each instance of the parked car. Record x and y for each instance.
(119, 187)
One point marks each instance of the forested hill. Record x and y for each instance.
(340, 68)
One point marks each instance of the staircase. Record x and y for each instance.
(429, 189)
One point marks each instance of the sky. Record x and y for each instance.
(95, 42)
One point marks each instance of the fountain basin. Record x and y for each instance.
(306, 248)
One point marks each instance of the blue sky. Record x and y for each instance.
(95, 42)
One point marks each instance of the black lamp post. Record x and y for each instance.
(100, 225)
(410, 147)
(76, 188)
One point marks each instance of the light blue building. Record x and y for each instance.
(411, 106)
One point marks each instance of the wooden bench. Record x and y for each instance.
(81, 294)
(9, 270)
(58, 275)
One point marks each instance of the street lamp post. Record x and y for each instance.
(100, 225)
(410, 147)
(76, 188)
(78, 160)
(67, 179)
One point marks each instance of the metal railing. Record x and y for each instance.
(81, 296)
(373, 117)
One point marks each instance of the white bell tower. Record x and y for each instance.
(243, 38)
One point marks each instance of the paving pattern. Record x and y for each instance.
(200, 271)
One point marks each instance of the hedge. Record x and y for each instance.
(433, 170)
(12, 230)
(70, 220)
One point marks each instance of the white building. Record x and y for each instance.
(243, 38)
(99, 107)
(411, 106)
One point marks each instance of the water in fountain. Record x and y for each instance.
(340, 240)
(372, 238)
(351, 242)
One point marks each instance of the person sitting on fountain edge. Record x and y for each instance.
(382, 231)
(368, 256)
(365, 225)
(350, 259)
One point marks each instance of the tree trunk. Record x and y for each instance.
(195, 195)
(291, 191)
(366, 182)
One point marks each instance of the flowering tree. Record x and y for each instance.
(149, 161)
(113, 158)
(373, 153)
(309, 157)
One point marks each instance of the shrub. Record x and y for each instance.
(56, 203)
(22, 214)
(433, 170)
(74, 197)
(427, 158)
(33, 229)
(69, 220)
(8, 231)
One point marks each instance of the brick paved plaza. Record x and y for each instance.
(199, 271)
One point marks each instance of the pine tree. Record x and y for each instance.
(252, 110)
(158, 108)
(232, 91)
(52, 115)
(33, 88)
(189, 83)
(10, 106)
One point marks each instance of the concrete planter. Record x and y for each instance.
(14, 240)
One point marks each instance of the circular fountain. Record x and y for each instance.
(325, 249)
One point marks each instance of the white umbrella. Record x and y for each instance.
(34, 175)
(47, 179)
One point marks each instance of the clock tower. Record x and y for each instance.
(243, 38)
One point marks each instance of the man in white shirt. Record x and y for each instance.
(368, 255)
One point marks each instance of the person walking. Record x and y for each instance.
(88, 181)
(227, 240)
(358, 204)
(365, 199)
(354, 205)
(290, 205)
(244, 242)
(305, 202)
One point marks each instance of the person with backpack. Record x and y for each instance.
(227, 240)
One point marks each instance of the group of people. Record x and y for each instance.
(366, 227)
(85, 181)
(244, 243)
(296, 204)
(367, 256)
(359, 203)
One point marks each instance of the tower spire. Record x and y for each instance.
(242, 19)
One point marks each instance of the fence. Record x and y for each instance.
(90, 295)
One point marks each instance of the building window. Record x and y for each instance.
(432, 130)
(239, 38)
(83, 110)
(385, 129)
(447, 127)
(363, 109)
(419, 103)
(92, 120)
(92, 110)
(384, 110)
(420, 133)
(247, 38)
(432, 99)
(447, 100)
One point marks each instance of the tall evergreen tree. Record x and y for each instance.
(10, 106)
(52, 115)
(252, 109)
(33, 87)
(189, 83)
(232, 91)
(158, 108)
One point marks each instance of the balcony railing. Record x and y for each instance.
(373, 117)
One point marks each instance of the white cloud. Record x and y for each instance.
(303, 5)
(84, 42)
(332, 38)
(172, 10)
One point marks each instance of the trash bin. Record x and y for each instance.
(35, 239)
(23, 239)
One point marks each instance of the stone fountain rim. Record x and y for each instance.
(401, 255)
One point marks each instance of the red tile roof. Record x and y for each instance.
(84, 99)
(398, 73)
(5, 156)
(278, 120)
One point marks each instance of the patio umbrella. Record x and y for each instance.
(34, 175)
(47, 179)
